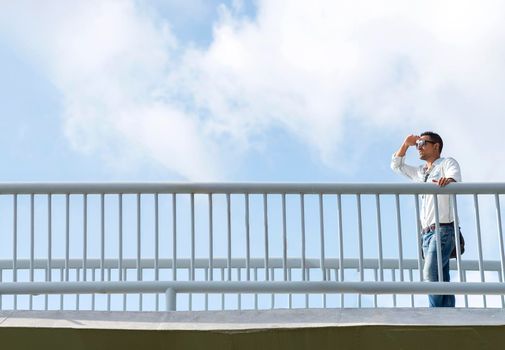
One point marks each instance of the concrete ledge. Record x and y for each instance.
(252, 319)
(274, 329)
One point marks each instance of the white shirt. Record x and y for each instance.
(442, 167)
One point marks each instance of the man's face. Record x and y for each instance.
(427, 148)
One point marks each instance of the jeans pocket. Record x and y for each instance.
(447, 235)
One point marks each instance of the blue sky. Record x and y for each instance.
(244, 91)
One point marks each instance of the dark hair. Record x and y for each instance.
(435, 138)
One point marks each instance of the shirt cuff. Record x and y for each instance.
(397, 161)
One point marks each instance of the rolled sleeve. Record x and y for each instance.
(398, 165)
(452, 169)
(397, 162)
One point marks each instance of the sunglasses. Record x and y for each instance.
(420, 143)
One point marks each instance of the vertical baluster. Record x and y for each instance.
(32, 244)
(192, 260)
(500, 279)
(438, 242)
(466, 295)
(93, 278)
(340, 245)
(85, 237)
(360, 241)
(307, 301)
(255, 294)
(102, 237)
(49, 245)
(393, 277)
(206, 294)
(121, 271)
(284, 240)
(228, 226)
(302, 225)
(399, 231)
(174, 237)
(15, 245)
(67, 236)
(265, 222)
(272, 297)
(120, 228)
(411, 279)
(375, 295)
(239, 299)
(247, 239)
(222, 294)
(304, 262)
(479, 242)
(419, 248)
(190, 295)
(109, 278)
(61, 295)
(379, 237)
(500, 240)
(211, 240)
(139, 243)
(321, 234)
(456, 237)
(156, 245)
(77, 297)
(125, 274)
(290, 296)
(336, 279)
(327, 273)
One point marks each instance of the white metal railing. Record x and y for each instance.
(157, 246)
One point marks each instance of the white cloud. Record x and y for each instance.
(390, 65)
(109, 61)
(319, 71)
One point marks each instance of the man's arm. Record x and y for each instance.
(398, 161)
(409, 141)
(452, 172)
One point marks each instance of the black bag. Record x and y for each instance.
(454, 253)
(461, 246)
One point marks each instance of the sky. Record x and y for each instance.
(240, 90)
(246, 91)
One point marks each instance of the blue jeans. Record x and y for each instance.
(430, 271)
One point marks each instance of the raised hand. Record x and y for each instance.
(411, 140)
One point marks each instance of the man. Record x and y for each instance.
(435, 170)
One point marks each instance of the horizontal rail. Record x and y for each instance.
(237, 263)
(250, 188)
(35, 288)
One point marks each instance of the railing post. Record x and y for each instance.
(171, 299)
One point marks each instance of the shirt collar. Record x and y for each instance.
(435, 163)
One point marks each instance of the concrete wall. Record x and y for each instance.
(308, 329)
